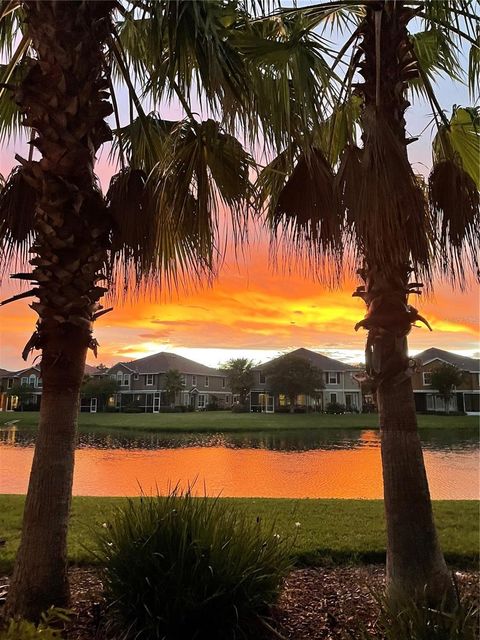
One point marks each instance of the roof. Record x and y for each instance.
(164, 361)
(91, 370)
(461, 362)
(6, 374)
(316, 359)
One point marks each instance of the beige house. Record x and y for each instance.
(142, 384)
(466, 397)
(340, 386)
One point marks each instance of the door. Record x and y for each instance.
(93, 405)
(156, 403)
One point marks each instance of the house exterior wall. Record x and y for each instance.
(466, 396)
(340, 387)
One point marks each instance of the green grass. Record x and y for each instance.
(213, 421)
(330, 531)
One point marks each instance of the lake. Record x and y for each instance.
(300, 463)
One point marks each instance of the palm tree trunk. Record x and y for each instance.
(63, 101)
(415, 564)
(40, 575)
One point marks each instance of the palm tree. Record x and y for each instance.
(157, 226)
(360, 202)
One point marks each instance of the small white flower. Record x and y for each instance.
(110, 544)
(297, 524)
(276, 536)
(105, 525)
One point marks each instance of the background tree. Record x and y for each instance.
(22, 392)
(347, 190)
(292, 376)
(239, 375)
(100, 388)
(444, 378)
(173, 385)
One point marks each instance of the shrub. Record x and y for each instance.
(335, 407)
(412, 620)
(241, 408)
(181, 567)
(25, 630)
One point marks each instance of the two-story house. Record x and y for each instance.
(29, 378)
(466, 397)
(141, 384)
(339, 386)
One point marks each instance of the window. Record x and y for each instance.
(333, 377)
(113, 376)
(126, 380)
(149, 379)
(183, 380)
(194, 381)
(262, 378)
(136, 376)
(333, 397)
(32, 381)
(39, 382)
(24, 380)
(223, 383)
(227, 399)
(202, 401)
(207, 381)
(427, 378)
(9, 383)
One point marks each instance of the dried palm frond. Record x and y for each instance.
(455, 203)
(386, 207)
(17, 215)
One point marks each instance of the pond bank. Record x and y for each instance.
(223, 421)
(329, 531)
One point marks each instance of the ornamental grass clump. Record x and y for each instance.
(180, 567)
(418, 620)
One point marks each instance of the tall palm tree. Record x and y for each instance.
(157, 226)
(354, 197)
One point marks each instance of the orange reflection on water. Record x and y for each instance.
(337, 473)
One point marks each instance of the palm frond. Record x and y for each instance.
(459, 140)
(166, 222)
(437, 54)
(11, 75)
(474, 66)
(455, 203)
(17, 214)
(305, 215)
(10, 24)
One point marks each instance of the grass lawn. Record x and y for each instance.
(211, 421)
(330, 531)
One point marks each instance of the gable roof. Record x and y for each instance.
(6, 374)
(164, 361)
(316, 359)
(464, 363)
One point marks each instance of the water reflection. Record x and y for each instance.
(331, 463)
(283, 440)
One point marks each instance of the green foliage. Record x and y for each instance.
(99, 387)
(239, 374)
(182, 567)
(292, 376)
(410, 620)
(26, 630)
(445, 377)
(335, 407)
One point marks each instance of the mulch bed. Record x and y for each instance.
(316, 603)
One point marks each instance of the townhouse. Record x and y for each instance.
(141, 384)
(29, 378)
(340, 386)
(466, 397)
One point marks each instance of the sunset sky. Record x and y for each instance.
(251, 310)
